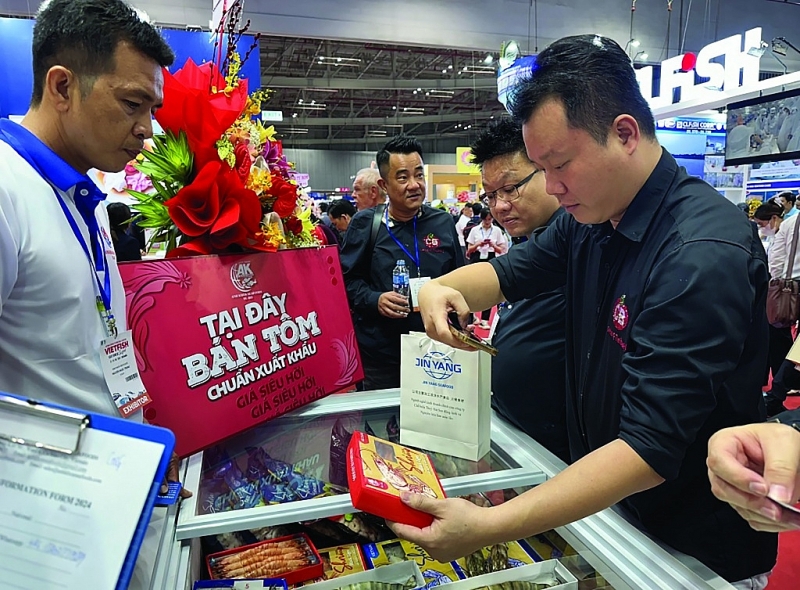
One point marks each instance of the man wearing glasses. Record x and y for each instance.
(530, 333)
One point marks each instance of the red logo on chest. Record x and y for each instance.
(620, 314)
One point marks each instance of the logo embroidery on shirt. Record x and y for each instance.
(431, 241)
(620, 315)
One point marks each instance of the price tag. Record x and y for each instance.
(118, 361)
(414, 285)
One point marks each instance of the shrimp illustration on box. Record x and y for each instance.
(378, 471)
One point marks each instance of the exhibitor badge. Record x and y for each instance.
(118, 361)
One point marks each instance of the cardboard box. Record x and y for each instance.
(378, 471)
(435, 572)
(293, 558)
(396, 573)
(544, 572)
(225, 343)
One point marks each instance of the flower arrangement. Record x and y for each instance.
(753, 204)
(217, 180)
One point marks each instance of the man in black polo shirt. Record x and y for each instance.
(404, 229)
(529, 335)
(666, 328)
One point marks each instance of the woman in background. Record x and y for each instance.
(769, 218)
(126, 246)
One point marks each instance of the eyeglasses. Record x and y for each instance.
(508, 193)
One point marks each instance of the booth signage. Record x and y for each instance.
(224, 343)
(690, 126)
(682, 71)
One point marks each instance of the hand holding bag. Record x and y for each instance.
(783, 295)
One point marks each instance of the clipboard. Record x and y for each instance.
(60, 429)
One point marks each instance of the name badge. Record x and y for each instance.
(414, 285)
(118, 360)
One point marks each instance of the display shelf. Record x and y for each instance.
(609, 552)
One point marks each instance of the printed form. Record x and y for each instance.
(66, 521)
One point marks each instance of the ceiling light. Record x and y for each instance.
(294, 115)
(313, 101)
(394, 108)
(642, 55)
(414, 92)
(635, 43)
(299, 101)
(419, 89)
(758, 51)
(444, 71)
(450, 67)
(321, 58)
(489, 59)
(338, 59)
(427, 94)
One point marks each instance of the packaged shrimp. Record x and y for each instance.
(378, 471)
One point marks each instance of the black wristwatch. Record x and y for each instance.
(790, 418)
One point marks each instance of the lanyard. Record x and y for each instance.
(98, 263)
(399, 243)
(483, 235)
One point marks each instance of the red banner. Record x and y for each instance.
(226, 342)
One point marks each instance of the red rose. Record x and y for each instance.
(198, 247)
(243, 161)
(294, 225)
(285, 195)
(239, 215)
(217, 209)
(190, 105)
(196, 206)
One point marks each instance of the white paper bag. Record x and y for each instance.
(445, 398)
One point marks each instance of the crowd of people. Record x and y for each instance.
(637, 298)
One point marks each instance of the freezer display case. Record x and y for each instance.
(287, 478)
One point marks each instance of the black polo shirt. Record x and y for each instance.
(666, 344)
(529, 337)
(368, 273)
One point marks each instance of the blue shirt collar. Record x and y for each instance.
(44, 160)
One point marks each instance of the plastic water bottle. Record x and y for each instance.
(400, 280)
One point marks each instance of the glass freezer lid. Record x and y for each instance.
(293, 468)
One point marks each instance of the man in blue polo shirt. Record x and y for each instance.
(666, 322)
(97, 80)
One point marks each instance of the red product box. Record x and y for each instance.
(378, 471)
(293, 558)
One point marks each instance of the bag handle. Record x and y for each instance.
(793, 250)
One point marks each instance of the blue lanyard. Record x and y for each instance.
(98, 261)
(416, 260)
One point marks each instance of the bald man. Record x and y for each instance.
(366, 192)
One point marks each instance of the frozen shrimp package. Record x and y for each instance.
(292, 558)
(378, 471)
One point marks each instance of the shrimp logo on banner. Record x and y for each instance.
(438, 365)
(242, 276)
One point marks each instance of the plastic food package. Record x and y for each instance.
(495, 558)
(378, 471)
(293, 558)
(340, 561)
(399, 550)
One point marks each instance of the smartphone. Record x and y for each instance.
(785, 506)
(467, 338)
